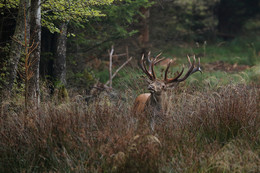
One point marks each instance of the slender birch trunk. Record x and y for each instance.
(33, 88)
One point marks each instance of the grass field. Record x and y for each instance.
(205, 130)
(212, 124)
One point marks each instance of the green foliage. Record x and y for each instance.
(103, 75)
(100, 32)
(81, 80)
(3, 66)
(121, 15)
(9, 4)
(188, 20)
(124, 78)
(69, 11)
(63, 95)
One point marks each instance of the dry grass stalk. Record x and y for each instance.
(92, 138)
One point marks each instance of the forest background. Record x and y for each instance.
(55, 55)
(73, 37)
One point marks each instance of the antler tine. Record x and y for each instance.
(189, 72)
(174, 78)
(157, 56)
(149, 61)
(166, 71)
(152, 70)
(197, 68)
(189, 59)
(149, 56)
(155, 59)
(144, 69)
(191, 69)
(152, 63)
(159, 60)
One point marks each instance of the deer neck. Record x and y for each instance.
(156, 100)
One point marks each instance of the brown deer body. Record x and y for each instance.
(150, 104)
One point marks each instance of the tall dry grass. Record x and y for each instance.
(203, 131)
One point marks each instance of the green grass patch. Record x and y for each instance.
(243, 50)
(134, 79)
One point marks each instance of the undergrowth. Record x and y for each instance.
(210, 130)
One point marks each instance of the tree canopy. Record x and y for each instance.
(55, 11)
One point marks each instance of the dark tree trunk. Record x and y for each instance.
(2, 21)
(144, 30)
(16, 44)
(60, 55)
(47, 53)
(34, 91)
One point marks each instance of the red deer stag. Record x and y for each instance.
(151, 103)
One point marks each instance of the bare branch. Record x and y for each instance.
(111, 75)
(33, 48)
(121, 67)
(118, 55)
(18, 41)
(110, 65)
(127, 53)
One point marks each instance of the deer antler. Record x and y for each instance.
(150, 73)
(144, 69)
(191, 70)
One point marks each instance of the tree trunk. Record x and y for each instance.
(16, 44)
(34, 91)
(2, 21)
(144, 30)
(60, 56)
